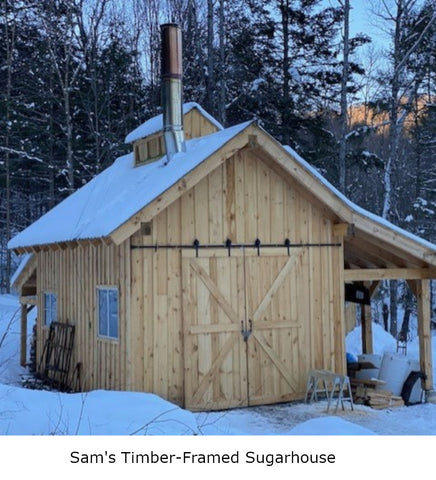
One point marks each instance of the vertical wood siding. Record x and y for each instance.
(74, 274)
(242, 200)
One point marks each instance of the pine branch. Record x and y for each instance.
(22, 154)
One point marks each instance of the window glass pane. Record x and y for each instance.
(113, 313)
(102, 312)
(108, 312)
(54, 308)
(46, 309)
(50, 308)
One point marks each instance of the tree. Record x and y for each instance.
(344, 103)
(9, 24)
(410, 31)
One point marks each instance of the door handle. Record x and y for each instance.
(246, 332)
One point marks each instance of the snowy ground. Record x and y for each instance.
(30, 412)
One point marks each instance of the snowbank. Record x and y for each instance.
(329, 426)
(383, 341)
(33, 412)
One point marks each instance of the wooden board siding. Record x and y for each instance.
(241, 200)
(74, 274)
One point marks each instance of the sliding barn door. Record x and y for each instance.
(277, 313)
(213, 309)
(245, 340)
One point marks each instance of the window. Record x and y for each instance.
(107, 312)
(50, 308)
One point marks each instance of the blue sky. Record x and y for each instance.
(362, 20)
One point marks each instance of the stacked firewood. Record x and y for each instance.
(365, 393)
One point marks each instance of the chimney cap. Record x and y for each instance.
(171, 53)
(170, 24)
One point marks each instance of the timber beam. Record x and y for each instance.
(368, 274)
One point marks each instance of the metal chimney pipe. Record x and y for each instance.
(172, 103)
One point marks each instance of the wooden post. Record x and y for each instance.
(366, 319)
(366, 322)
(424, 316)
(23, 344)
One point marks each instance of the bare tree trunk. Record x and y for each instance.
(51, 167)
(210, 84)
(10, 44)
(222, 79)
(401, 57)
(344, 103)
(284, 7)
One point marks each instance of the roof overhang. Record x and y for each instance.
(24, 279)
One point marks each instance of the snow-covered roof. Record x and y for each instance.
(155, 124)
(122, 190)
(119, 192)
(25, 259)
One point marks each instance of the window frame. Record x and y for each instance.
(52, 308)
(107, 333)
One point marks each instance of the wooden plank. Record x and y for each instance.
(341, 229)
(366, 321)
(276, 360)
(215, 206)
(148, 293)
(174, 301)
(388, 273)
(277, 209)
(229, 206)
(240, 234)
(137, 319)
(250, 198)
(189, 315)
(266, 226)
(215, 291)
(276, 284)
(201, 211)
(217, 361)
(126, 333)
(23, 335)
(394, 237)
(29, 299)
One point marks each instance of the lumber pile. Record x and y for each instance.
(365, 393)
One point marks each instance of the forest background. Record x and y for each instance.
(77, 75)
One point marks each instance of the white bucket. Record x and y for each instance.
(369, 373)
(393, 371)
(431, 396)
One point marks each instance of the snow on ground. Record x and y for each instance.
(32, 412)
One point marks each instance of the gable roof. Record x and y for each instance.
(116, 197)
(155, 124)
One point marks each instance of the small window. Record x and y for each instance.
(50, 308)
(107, 312)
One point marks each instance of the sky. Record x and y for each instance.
(363, 20)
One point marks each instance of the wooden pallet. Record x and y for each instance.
(57, 355)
